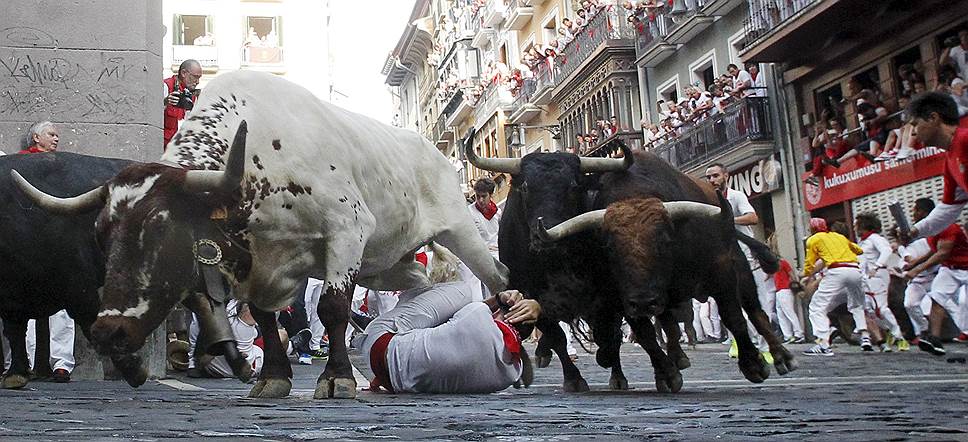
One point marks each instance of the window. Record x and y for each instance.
(703, 70)
(669, 91)
(193, 30)
(264, 31)
(907, 71)
(830, 103)
(549, 31)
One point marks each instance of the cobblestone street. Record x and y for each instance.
(852, 396)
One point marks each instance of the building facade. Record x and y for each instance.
(831, 68)
(288, 38)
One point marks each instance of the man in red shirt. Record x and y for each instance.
(43, 138)
(936, 124)
(785, 311)
(177, 86)
(951, 251)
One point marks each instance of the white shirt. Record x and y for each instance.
(915, 251)
(759, 82)
(743, 77)
(741, 206)
(877, 252)
(486, 227)
(959, 56)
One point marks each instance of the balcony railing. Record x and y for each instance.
(528, 88)
(610, 23)
(652, 32)
(494, 96)
(746, 120)
(437, 132)
(632, 139)
(261, 55)
(764, 20)
(207, 56)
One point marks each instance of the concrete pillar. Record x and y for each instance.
(93, 67)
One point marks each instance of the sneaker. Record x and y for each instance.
(799, 340)
(61, 376)
(963, 337)
(903, 345)
(320, 353)
(886, 348)
(904, 153)
(734, 350)
(300, 341)
(865, 344)
(819, 350)
(305, 359)
(885, 156)
(931, 345)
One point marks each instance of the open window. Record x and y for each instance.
(263, 40)
(703, 70)
(193, 30)
(669, 90)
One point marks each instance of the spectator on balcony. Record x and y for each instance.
(908, 75)
(957, 92)
(564, 36)
(902, 141)
(956, 55)
(719, 98)
(551, 51)
(614, 123)
(742, 81)
(758, 80)
(701, 102)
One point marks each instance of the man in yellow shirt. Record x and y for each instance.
(841, 282)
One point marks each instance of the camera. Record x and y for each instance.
(185, 100)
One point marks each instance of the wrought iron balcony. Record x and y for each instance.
(632, 139)
(519, 12)
(494, 97)
(609, 24)
(741, 123)
(770, 17)
(659, 34)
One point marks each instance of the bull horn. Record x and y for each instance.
(601, 165)
(86, 202)
(578, 224)
(505, 165)
(221, 181)
(685, 209)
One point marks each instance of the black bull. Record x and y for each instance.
(51, 262)
(588, 275)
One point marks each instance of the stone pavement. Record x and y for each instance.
(852, 396)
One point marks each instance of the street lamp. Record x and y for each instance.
(516, 139)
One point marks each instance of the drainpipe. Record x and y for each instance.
(782, 98)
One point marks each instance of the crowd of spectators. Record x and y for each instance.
(884, 132)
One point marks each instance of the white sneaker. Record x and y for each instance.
(819, 350)
(305, 359)
(903, 153)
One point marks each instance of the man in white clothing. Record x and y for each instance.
(245, 331)
(744, 216)
(439, 340)
(919, 286)
(873, 264)
(61, 345)
(742, 81)
(487, 218)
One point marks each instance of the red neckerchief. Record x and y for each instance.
(32, 149)
(488, 211)
(866, 235)
(512, 341)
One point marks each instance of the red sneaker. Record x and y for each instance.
(963, 337)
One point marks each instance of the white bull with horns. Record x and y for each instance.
(305, 189)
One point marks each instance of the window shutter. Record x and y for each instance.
(278, 28)
(178, 30)
(210, 24)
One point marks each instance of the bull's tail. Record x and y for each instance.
(768, 260)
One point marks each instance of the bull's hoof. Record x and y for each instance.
(271, 388)
(575, 386)
(670, 384)
(754, 367)
(682, 362)
(618, 383)
(783, 361)
(542, 361)
(244, 373)
(14, 381)
(335, 388)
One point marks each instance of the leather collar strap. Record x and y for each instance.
(209, 255)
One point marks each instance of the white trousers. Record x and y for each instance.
(6, 349)
(313, 291)
(945, 290)
(786, 314)
(914, 295)
(838, 285)
(702, 319)
(876, 301)
(61, 341)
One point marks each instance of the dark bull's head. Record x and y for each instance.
(149, 220)
(639, 233)
(548, 187)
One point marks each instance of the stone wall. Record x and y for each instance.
(93, 67)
